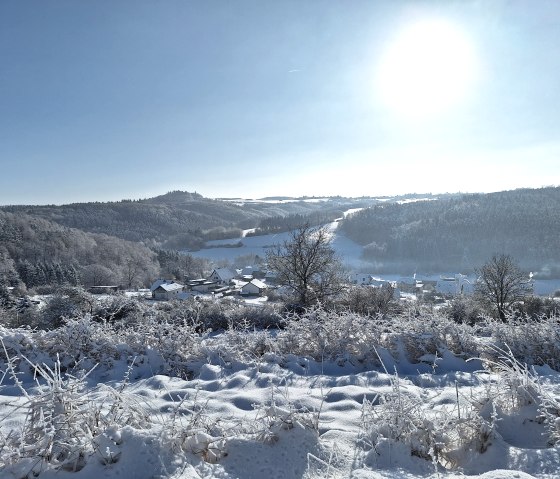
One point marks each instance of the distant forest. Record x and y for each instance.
(461, 233)
(178, 220)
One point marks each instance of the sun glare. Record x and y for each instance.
(427, 70)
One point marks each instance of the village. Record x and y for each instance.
(248, 282)
(252, 281)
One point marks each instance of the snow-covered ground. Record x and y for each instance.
(349, 251)
(252, 409)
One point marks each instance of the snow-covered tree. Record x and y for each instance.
(502, 283)
(307, 264)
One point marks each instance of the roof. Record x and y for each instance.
(170, 287)
(159, 282)
(255, 282)
(225, 274)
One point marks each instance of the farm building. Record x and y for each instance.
(167, 291)
(254, 287)
(222, 275)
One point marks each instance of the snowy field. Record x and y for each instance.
(349, 251)
(328, 396)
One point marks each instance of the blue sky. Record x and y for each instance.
(104, 100)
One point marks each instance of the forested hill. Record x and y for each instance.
(176, 220)
(463, 232)
(38, 252)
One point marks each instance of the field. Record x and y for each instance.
(329, 395)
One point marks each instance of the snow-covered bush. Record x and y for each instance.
(329, 335)
(65, 426)
(116, 308)
(457, 338)
(442, 436)
(464, 309)
(399, 416)
(189, 428)
(158, 347)
(220, 314)
(512, 385)
(239, 343)
(536, 308)
(531, 342)
(81, 343)
(549, 409)
(369, 301)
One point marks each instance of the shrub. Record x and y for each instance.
(369, 301)
(463, 309)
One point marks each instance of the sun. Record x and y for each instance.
(428, 69)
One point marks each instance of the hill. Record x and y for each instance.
(39, 252)
(178, 219)
(460, 233)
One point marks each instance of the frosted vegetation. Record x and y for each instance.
(165, 392)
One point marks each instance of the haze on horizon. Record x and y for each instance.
(109, 100)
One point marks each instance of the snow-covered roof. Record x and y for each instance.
(256, 282)
(159, 282)
(225, 274)
(170, 287)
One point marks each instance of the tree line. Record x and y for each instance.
(462, 232)
(280, 224)
(35, 253)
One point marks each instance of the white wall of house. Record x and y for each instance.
(167, 295)
(254, 287)
(167, 291)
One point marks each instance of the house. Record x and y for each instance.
(186, 295)
(254, 287)
(167, 291)
(408, 284)
(159, 282)
(247, 271)
(454, 285)
(222, 275)
(360, 278)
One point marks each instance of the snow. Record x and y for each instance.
(244, 201)
(349, 251)
(279, 415)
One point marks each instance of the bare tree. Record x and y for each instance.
(307, 264)
(502, 283)
(97, 275)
